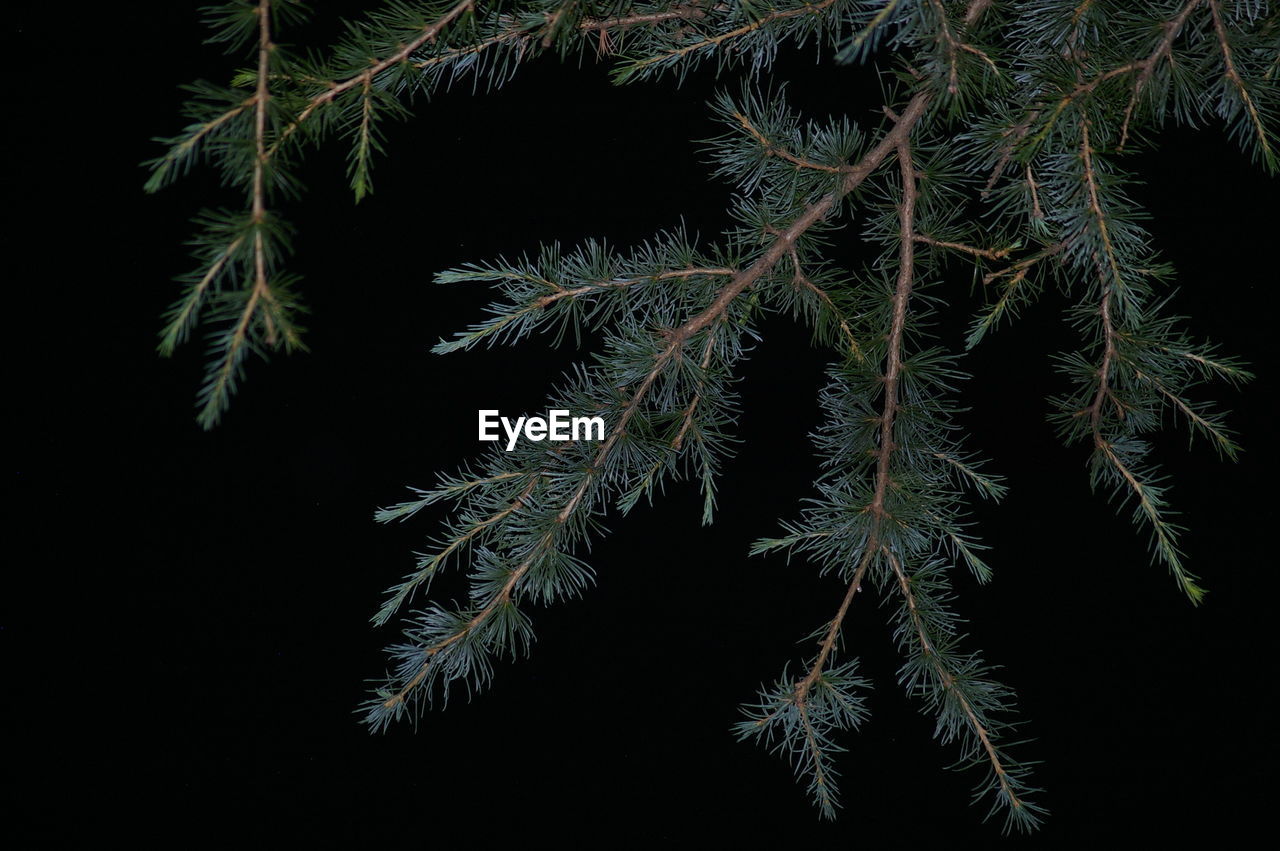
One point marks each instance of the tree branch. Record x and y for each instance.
(1108, 283)
(428, 569)
(260, 291)
(989, 253)
(1145, 67)
(561, 292)
(892, 373)
(802, 280)
(712, 41)
(429, 34)
(676, 339)
(949, 683)
(1234, 76)
(1163, 47)
(772, 150)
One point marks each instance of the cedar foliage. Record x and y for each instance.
(1004, 142)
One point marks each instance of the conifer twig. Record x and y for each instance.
(428, 34)
(720, 38)
(892, 374)
(1147, 66)
(988, 253)
(429, 568)
(561, 292)
(260, 291)
(773, 149)
(948, 680)
(1149, 503)
(802, 280)
(1144, 67)
(1234, 76)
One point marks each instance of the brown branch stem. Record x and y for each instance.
(260, 291)
(1234, 76)
(562, 292)
(892, 374)
(1108, 284)
(711, 41)
(802, 280)
(949, 683)
(773, 150)
(989, 253)
(1171, 29)
(429, 33)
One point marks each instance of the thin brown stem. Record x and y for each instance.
(260, 292)
(428, 569)
(988, 253)
(955, 45)
(892, 374)
(713, 41)
(686, 421)
(689, 12)
(975, 10)
(1014, 135)
(262, 96)
(562, 292)
(1189, 412)
(1144, 68)
(1036, 212)
(497, 517)
(902, 292)
(1163, 47)
(1234, 76)
(952, 46)
(692, 407)
(800, 279)
(1108, 283)
(196, 296)
(1022, 266)
(949, 683)
(828, 644)
(774, 150)
(178, 151)
(1146, 501)
(428, 34)
(516, 31)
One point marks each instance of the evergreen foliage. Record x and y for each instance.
(1004, 146)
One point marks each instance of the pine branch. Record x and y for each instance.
(261, 298)
(1234, 76)
(1146, 67)
(1019, 812)
(987, 253)
(1149, 503)
(801, 688)
(1143, 67)
(771, 149)
(182, 316)
(508, 321)
(713, 42)
(842, 321)
(364, 79)
(429, 567)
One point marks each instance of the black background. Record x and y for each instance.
(186, 636)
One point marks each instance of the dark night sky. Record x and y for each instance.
(187, 635)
